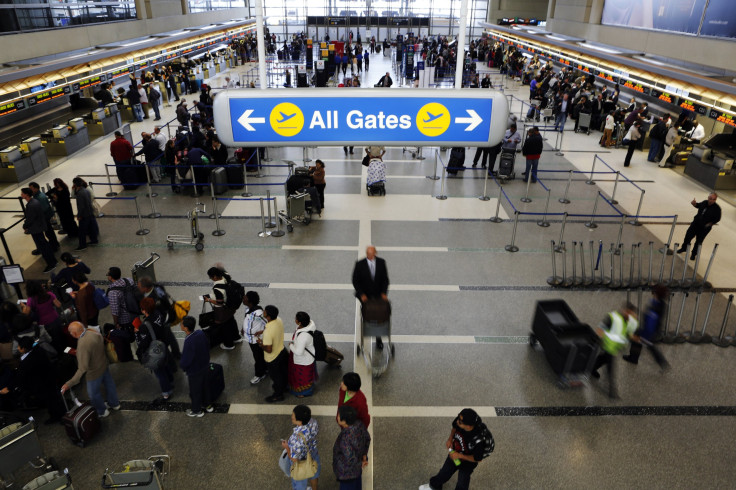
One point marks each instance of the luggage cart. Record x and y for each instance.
(53, 480)
(196, 237)
(147, 474)
(296, 211)
(145, 268)
(375, 321)
(19, 445)
(414, 150)
(584, 122)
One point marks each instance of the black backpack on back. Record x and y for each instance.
(131, 297)
(320, 345)
(234, 293)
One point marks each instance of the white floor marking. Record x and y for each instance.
(382, 411)
(349, 287)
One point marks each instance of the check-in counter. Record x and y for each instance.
(714, 170)
(65, 140)
(103, 121)
(14, 167)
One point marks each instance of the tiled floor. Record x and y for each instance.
(462, 308)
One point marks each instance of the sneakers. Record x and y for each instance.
(36, 252)
(224, 347)
(425, 487)
(194, 414)
(239, 341)
(681, 250)
(49, 269)
(275, 398)
(210, 408)
(116, 407)
(105, 414)
(256, 379)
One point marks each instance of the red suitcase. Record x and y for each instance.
(81, 421)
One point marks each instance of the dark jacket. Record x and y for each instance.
(35, 220)
(362, 282)
(143, 336)
(347, 454)
(150, 150)
(84, 203)
(533, 145)
(195, 356)
(219, 155)
(133, 96)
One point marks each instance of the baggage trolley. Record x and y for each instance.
(196, 237)
(296, 211)
(375, 321)
(584, 122)
(148, 474)
(414, 150)
(19, 445)
(53, 480)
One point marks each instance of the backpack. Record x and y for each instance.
(155, 356)
(234, 292)
(320, 345)
(100, 299)
(131, 300)
(488, 443)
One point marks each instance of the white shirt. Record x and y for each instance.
(302, 341)
(231, 84)
(610, 122)
(698, 132)
(161, 140)
(144, 97)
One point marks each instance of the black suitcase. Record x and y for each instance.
(376, 310)
(218, 177)
(456, 161)
(131, 176)
(506, 165)
(80, 421)
(216, 381)
(234, 174)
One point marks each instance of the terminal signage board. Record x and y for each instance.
(11, 107)
(335, 117)
(667, 97)
(46, 95)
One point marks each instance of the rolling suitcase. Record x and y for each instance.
(333, 357)
(456, 161)
(218, 177)
(216, 381)
(234, 174)
(680, 158)
(506, 165)
(81, 421)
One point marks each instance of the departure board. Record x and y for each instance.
(47, 95)
(11, 107)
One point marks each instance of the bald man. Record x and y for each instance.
(370, 279)
(92, 361)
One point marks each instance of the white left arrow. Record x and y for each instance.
(474, 120)
(245, 120)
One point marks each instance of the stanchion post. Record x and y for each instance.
(245, 192)
(666, 249)
(702, 337)
(635, 221)
(584, 279)
(269, 222)
(561, 245)
(436, 157)
(442, 195)
(141, 230)
(263, 233)
(528, 184)
(496, 219)
(562, 138)
(705, 282)
(544, 223)
(675, 338)
(620, 230)
(591, 223)
(564, 266)
(651, 253)
(266, 157)
(218, 231)
(684, 267)
(195, 188)
(512, 247)
(419, 155)
(151, 195)
(573, 279)
(148, 180)
(485, 197)
(721, 341)
(671, 282)
(691, 334)
(212, 198)
(615, 186)
(564, 199)
(554, 279)
(279, 232)
(109, 183)
(691, 281)
(590, 181)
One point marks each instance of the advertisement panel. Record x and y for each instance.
(666, 15)
(720, 19)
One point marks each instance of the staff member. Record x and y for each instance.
(709, 213)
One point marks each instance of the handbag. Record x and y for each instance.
(304, 468)
(110, 352)
(206, 319)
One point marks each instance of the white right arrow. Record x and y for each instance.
(474, 120)
(245, 120)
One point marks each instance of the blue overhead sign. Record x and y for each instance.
(303, 117)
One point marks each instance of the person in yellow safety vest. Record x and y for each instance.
(615, 331)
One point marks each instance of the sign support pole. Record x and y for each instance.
(261, 44)
(463, 23)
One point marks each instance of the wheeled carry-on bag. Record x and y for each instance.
(218, 177)
(333, 357)
(216, 381)
(234, 173)
(506, 165)
(80, 421)
(456, 161)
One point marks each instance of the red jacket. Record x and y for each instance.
(359, 403)
(121, 149)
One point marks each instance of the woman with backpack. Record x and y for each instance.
(153, 328)
(43, 305)
(224, 303)
(302, 372)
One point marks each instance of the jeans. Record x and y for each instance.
(258, 357)
(532, 164)
(285, 465)
(560, 121)
(630, 152)
(88, 227)
(165, 379)
(199, 390)
(277, 371)
(448, 469)
(354, 484)
(95, 394)
(138, 112)
(156, 110)
(655, 146)
(43, 246)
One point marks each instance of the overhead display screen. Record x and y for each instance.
(665, 15)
